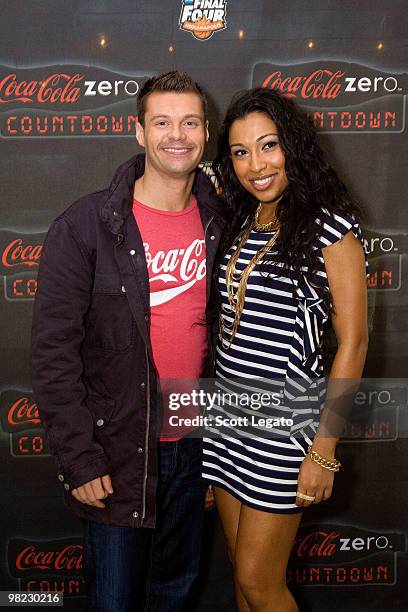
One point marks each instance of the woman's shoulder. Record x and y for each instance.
(334, 225)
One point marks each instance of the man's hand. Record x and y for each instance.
(92, 492)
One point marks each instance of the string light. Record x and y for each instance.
(171, 49)
(310, 44)
(102, 41)
(241, 34)
(380, 46)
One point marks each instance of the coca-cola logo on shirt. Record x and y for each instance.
(181, 268)
(54, 557)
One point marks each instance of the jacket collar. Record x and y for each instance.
(120, 197)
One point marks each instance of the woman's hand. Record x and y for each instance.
(314, 481)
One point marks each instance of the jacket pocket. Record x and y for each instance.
(109, 323)
(111, 431)
(101, 409)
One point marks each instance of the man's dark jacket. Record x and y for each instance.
(92, 369)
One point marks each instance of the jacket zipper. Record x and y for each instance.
(147, 431)
(207, 226)
(146, 461)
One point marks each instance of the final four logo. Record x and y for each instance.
(203, 17)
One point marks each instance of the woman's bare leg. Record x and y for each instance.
(229, 509)
(262, 548)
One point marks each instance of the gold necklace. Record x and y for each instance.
(265, 227)
(236, 296)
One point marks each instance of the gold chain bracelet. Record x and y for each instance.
(329, 464)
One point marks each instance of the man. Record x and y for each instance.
(121, 302)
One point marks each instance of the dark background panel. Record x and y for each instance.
(40, 177)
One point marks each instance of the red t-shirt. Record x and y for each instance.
(175, 256)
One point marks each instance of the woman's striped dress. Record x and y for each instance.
(279, 342)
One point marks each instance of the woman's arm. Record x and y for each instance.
(345, 268)
(346, 275)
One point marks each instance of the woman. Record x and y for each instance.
(293, 260)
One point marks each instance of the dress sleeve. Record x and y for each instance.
(335, 226)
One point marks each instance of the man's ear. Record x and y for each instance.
(140, 134)
(207, 133)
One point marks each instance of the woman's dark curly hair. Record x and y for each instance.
(313, 185)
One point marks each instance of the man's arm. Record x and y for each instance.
(63, 297)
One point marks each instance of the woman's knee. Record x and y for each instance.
(257, 585)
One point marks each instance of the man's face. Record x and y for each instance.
(174, 134)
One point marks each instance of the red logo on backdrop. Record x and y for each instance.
(19, 411)
(20, 258)
(18, 253)
(20, 417)
(375, 411)
(316, 544)
(55, 557)
(23, 412)
(337, 555)
(340, 96)
(320, 83)
(67, 101)
(70, 587)
(58, 87)
(32, 558)
(384, 251)
(47, 566)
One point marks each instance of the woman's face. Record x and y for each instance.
(257, 157)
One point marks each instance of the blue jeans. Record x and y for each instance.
(151, 570)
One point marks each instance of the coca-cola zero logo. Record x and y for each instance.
(328, 544)
(383, 242)
(340, 97)
(65, 88)
(328, 84)
(72, 101)
(342, 555)
(384, 250)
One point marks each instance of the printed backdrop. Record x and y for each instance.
(70, 72)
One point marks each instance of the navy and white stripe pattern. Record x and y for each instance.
(278, 339)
